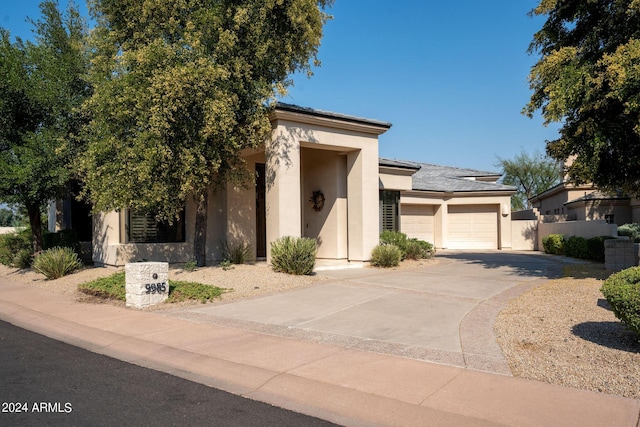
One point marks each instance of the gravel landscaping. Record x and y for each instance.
(563, 332)
(241, 281)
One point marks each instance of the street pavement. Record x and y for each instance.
(357, 349)
(47, 382)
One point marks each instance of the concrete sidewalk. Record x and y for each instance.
(346, 386)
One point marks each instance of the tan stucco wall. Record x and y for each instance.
(584, 229)
(398, 179)
(286, 194)
(524, 235)
(325, 171)
(239, 223)
(110, 246)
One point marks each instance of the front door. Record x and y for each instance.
(261, 212)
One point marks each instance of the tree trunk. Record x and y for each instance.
(35, 220)
(200, 240)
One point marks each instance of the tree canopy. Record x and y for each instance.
(588, 78)
(531, 175)
(181, 87)
(42, 86)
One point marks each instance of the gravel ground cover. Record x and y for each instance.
(241, 281)
(563, 332)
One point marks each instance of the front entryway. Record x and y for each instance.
(261, 212)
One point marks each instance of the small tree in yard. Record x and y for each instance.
(41, 87)
(531, 175)
(181, 87)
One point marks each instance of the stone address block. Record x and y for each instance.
(147, 283)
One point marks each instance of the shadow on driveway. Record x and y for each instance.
(530, 264)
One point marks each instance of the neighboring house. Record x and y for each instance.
(319, 176)
(569, 202)
(450, 207)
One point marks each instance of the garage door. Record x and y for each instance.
(417, 221)
(472, 227)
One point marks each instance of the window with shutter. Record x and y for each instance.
(389, 201)
(145, 228)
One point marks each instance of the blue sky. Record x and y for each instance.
(450, 76)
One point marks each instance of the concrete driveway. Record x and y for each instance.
(441, 312)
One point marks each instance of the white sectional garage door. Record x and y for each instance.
(417, 221)
(472, 227)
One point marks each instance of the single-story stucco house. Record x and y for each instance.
(319, 176)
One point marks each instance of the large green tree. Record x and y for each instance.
(181, 87)
(531, 174)
(588, 78)
(42, 85)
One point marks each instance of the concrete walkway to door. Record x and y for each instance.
(441, 312)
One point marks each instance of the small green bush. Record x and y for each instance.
(14, 247)
(622, 290)
(630, 230)
(595, 246)
(553, 244)
(23, 259)
(294, 255)
(418, 249)
(237, 253)
(394, 238)
(386, 255)
(576, 247)
(56, 262)
(190, 266)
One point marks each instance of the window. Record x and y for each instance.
(145, 228)
(389, 202)
(610, 219)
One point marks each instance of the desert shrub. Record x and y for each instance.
(630, 230)
(294, 255)
(394, 238)
(61, 239)
(595, 245)
(23, 259)
(190, 266)
(16, 249)
(386, 255)
(418, 249)
(622, 290)
(553, 244)
(237, 252)
(576, 247)
(56, 262)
